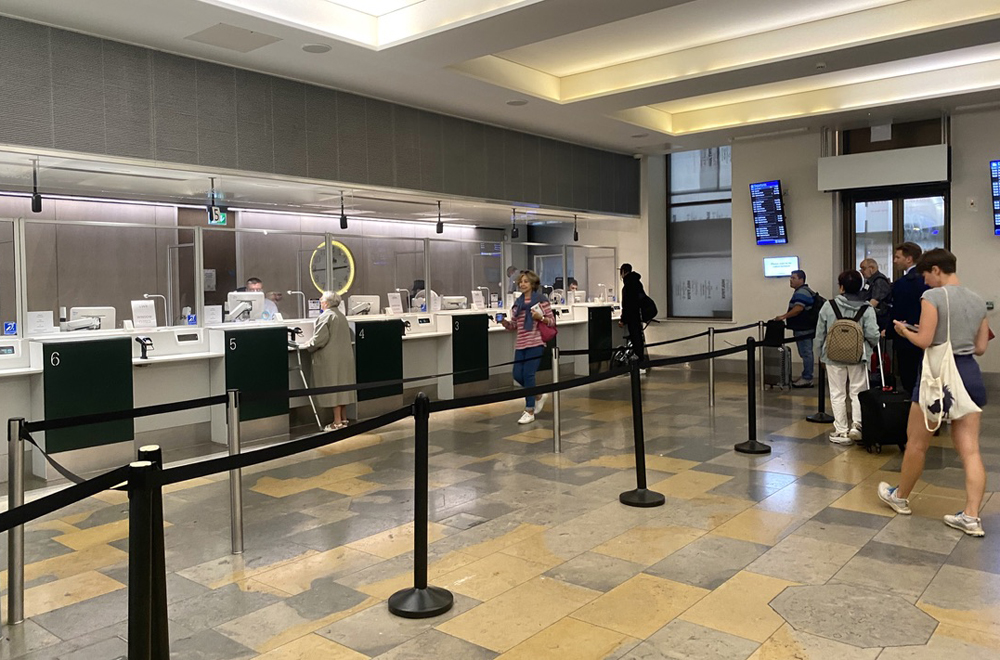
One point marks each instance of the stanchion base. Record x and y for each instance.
(820, 418)
(642, 497)
(752, 447)
(416, 603)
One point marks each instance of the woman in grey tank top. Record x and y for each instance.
(969, 337)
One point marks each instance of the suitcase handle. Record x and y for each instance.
(881, 372)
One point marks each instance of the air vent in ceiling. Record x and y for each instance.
(231, 37)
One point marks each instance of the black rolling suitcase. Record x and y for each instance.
(884, 415)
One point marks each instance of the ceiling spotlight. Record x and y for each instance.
(36, 199)
(343, 217)
(639, 136)
(820, 66)
(316, 49)
(440, 225)
(513, 225)
(576, 234)
(517, 103)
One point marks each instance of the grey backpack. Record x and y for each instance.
(846, 340)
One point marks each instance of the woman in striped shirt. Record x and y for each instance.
(531, 308)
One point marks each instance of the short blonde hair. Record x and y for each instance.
(532, 278)
(331, 299)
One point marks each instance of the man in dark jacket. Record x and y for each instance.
(632, 295)
(878, 291)
(906, 293)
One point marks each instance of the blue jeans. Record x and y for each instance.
(805, 347)
(524, 372)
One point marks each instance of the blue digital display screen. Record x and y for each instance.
(768, 213)
(995, 187)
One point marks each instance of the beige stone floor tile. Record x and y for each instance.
(487, 548)
(852, 466)
(63, 566)
(185, 485)
(864, 497)
(647, 544)
(933, 506)
(802, 429)
(112, 497)
(312, 647)
(391, 584)
(68, 591)
(298, 575)
(785, 465)
(351, 487)
(964, 598)
(353, 444)
(293, 486)
(514, 616)
(789, 643)
(98, 535)
(759, 526)
(398, 540)
(491, 576)
(969, 636)
(546, 549)
(570, 638)
(689, 484)
(225, 570)
(740, 607)
(653, 462)
(640, 606)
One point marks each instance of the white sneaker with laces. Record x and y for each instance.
(526, 418)
(855, 433)
(968, 524)
(540, 403)
(841, 439)
(887, 494)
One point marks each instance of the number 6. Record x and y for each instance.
(54, 359)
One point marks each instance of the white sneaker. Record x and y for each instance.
(540, 403)
(855, 433)
(968, 524)
(887, 494)
(841, 439)
(526, 418)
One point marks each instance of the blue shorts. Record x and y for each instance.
(972, 378)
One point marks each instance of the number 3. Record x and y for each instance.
(54, 359)
(456, 326)
(232, 343)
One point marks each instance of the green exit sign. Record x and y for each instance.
(217, 215)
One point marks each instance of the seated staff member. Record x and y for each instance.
(270, 309)
(529, 347)
(332, 358)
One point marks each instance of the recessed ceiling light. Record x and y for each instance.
(820, 66)
(641, 135)
(517, 103)
(316, 48)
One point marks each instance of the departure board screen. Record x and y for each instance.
(995, 186)
(768, 213)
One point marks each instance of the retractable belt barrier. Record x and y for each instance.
(737, 329)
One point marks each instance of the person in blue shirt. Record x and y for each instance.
(799, 320)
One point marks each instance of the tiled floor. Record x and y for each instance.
(788, 555)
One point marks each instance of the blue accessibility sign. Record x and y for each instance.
(9, 328)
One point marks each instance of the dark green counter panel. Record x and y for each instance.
(86, 377)
(470, 348)
(257, 361)
(378, 351)
(598, 336)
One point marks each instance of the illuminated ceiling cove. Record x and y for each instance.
(375, 24)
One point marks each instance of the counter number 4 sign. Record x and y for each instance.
(9, 328)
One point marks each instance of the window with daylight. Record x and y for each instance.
(699, 237)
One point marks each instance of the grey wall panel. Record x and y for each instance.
(128, 100)
(431, 155)
(77, 92)
(352, 138)
(565, 171)
(321, 132)
(531, 168)
(548, 163)
(494, 163)
(580, 187)
(378, 115)
(513, 166)
(607, 178)
(216, 115)
(254, 133)
(288, 112)
(475, 153)
(406, 141)
(453, 155)
(632, 175)
(175, 90)
(25, 84)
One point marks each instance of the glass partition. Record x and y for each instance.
(460, 267)
(385, 264)
(594, 270)
(8, 304)
(281, 261)
(109, 265)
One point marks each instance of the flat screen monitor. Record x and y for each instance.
(780, 266)
(104, 315)
(995, 187)
(245, 305)
(768, 213)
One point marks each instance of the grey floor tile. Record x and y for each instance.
(210, 645)
(708, 562)
(920, 533)
(216, 607)
(595, 571)
(435, 644)
(24, 638)
(891, 568)
(688, 641)
(803, 560)
(86, 617)
(109, 648)
(326, 537)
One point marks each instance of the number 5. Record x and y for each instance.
(232, 343)
(54, 359)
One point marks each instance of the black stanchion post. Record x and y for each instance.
(821, 417)
(420, 601)
(641, 496)
(140, 551)
(160, 634)
(751, 446)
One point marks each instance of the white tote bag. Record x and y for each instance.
(942, 393)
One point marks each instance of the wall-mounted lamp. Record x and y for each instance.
(513, 225)
(343, 216)
(576, 234)
(440, 225)
(36, 199)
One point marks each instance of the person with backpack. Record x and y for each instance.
(846, 333)
(637, 308)
(803, 310)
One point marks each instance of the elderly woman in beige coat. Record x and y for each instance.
(332, 358)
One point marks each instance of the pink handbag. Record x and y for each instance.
(548, 332)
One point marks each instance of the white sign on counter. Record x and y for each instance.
(211, 280)
(144, 313)
(478, 302)
(395, 302)
(213, 314)
(40, 323)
